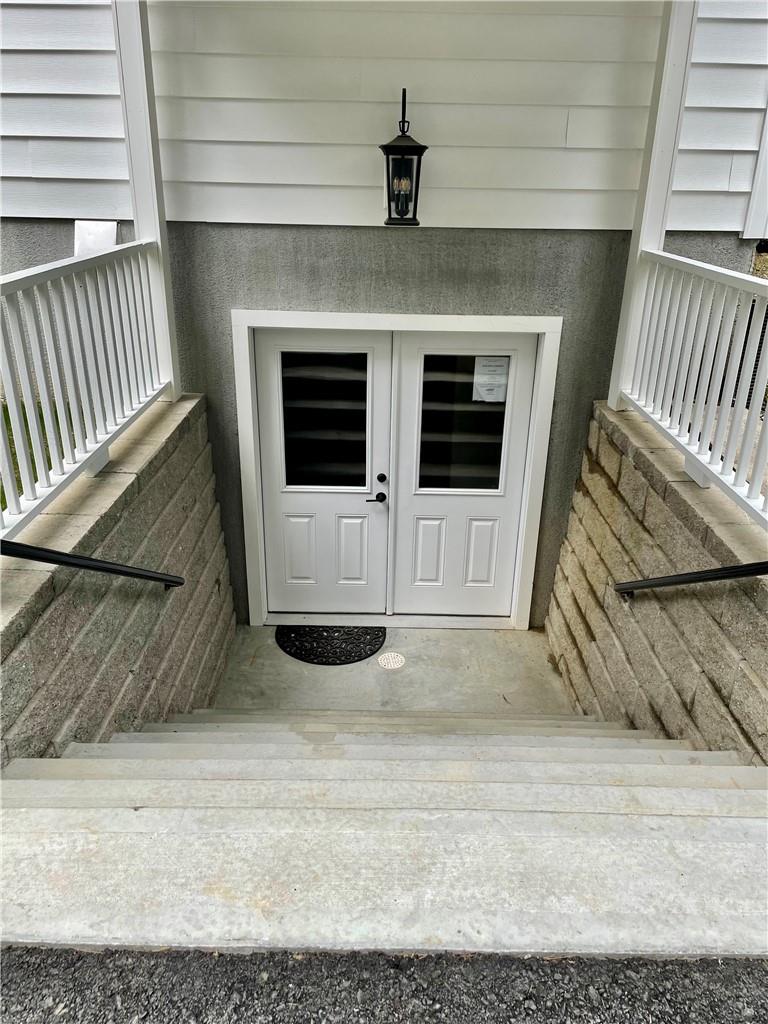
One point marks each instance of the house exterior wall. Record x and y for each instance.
(689, 662)
(576, 274)
(85, 654)
(535, 113)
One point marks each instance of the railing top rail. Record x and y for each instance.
(50, 271)
(744, 282)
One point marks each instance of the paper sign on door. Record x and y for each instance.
(490, 380)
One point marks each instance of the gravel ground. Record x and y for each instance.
(46, 986)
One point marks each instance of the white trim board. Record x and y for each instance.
(547, 328)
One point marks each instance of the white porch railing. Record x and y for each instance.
(700, 372)
(79, 363)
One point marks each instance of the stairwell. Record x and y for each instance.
(242, 829)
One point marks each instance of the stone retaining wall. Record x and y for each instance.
(690, 662)
(84, 654)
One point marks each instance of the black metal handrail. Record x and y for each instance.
(36, 554)
(724, 572)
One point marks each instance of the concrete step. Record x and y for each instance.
(196, 820)
(424, 728)
(351, 739)
(638, 768)
(503, 796)
(417, 891)
(279, 714)
(448, 723)
(175, 748)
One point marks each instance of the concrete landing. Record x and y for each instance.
(449, 670)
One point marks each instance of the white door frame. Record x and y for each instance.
(246, 321)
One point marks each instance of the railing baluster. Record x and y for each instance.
(723, 344)
(645, 323)
(6, 471)
(142, 368)
(735, 352)
(127, 373)
(105, 307)
(102, 365)
(663, 285)
(665, 349)
(705, 369)
(41, 379)
(135, 271)
(745, 385)
(694, 311)
(62, 410)
(18, 427)
(131, 332)
(673, 362)
(43, 477)
(759, 463)
(696, 356)
(146, 298)
(753, 416)
(69, 365)
(72, 326)
(89, 349)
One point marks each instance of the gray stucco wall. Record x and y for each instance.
(218, 267)
(576, 274)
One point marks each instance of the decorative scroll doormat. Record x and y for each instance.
(330, 645)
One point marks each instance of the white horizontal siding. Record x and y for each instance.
(323, 32)
(274, 112)
(723, 119)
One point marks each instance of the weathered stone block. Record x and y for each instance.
(643, 549)
(609, 457)
(603, 491)
(707, 644)
(644, 717)
(700, 509)
(660, 467)
(600, 678)
(573, 615)
(749, 705)
(596, 527)
(668, 645)
(633, 487)
(716, 724)
(593, 437)
(684, 551)
(747, 629)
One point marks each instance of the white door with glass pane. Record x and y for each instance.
(451, 513)
(324, 415)
(465, 403)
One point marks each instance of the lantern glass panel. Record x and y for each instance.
(402, 185)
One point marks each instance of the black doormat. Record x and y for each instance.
(330, 645)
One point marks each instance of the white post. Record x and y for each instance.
(134, 64)
(665, 117)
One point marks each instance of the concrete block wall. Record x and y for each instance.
(85, 654)
(688, 662)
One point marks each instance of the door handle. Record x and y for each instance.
(381, 496)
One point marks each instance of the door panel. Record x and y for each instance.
(465, 404)
(324, 413)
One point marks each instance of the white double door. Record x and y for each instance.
(392, 469)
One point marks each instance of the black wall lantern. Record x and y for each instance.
(403, 158)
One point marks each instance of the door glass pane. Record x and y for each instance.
(463, 403)
(324, 418)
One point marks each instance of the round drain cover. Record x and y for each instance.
(391, 660)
